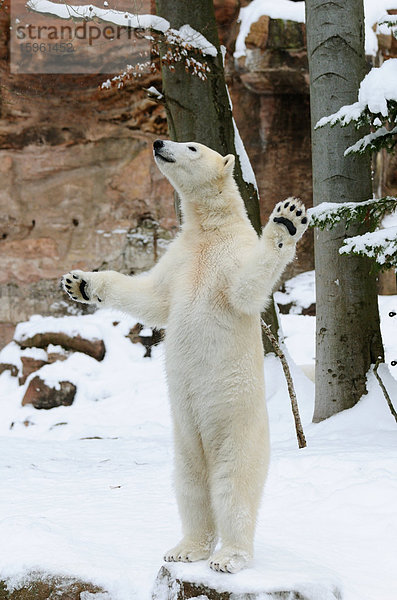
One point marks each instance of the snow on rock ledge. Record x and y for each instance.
(41, 586)
(93, 347)
(170, 585)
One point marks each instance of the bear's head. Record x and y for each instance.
(193, 169)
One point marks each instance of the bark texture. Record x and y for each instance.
(348, 334)
(200, 111)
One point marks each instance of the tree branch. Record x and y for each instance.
(291, 390)
(384, 390)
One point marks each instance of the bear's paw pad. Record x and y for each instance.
(229, 560)
(76, 286)
(291, 213)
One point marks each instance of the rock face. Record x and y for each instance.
(43, 396)
(79, 186)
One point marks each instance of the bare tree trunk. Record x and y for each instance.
(200, 111)
(348, 334)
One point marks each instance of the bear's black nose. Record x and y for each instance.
(157, 144)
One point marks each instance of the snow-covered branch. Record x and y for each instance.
(381, 138)
(376, 106)
(377, 88)
(185, 35)
(89, 11)
(370, 212)
(380, 245)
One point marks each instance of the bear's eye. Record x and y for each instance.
(192, 148)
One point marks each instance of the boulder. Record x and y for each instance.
(43, 396)
(29, 366)
(42, 586)
(94, 348)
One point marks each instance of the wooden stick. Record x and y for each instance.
(291, 390)
(384, 390)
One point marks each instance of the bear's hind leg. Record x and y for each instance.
(193, 496)
(237, 481)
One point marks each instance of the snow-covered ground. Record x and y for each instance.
(87, 490)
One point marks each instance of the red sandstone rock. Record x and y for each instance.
(94, 348)
(29, 366)
(42, 396)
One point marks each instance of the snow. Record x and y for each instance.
(320, 213)
(275, 9)
(87, 492)
(374, 11)
(153, 91)
(122, 18)
(381, 244)
(246, 167)
(191, 37)
(185, 35)
(377, 87)
(367, 140)
(88, 328)
(299, 290)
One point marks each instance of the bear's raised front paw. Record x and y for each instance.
(229, 560)
(76, 285)
(291, 214)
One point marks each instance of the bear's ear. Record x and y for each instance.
(228, 163)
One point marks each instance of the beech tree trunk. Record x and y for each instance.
(199, 110)
(348, 334)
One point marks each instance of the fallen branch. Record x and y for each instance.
(291, 390)
(384, 390)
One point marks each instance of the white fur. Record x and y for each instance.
(208, 290)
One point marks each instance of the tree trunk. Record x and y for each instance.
(200, 111)
(348, 337)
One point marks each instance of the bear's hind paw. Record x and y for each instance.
(188, 551)
(229, 560)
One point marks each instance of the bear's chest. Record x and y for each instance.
(206, 271)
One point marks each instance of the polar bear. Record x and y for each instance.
(208, 291)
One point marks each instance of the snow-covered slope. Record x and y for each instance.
(86, 490)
